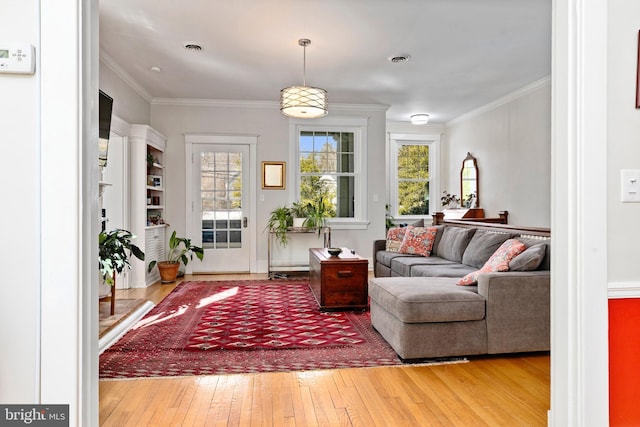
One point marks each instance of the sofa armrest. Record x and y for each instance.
(378, 245)
(517, 310)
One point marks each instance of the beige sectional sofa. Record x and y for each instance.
(419, 309)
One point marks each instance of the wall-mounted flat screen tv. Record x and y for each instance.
(105, 105)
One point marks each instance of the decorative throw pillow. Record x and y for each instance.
(394, 238)
(499, 261)
(530, 259)
(482, 245)
(418, 240)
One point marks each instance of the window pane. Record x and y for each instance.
(346, 163)
(323, 159)
(413, 198)
(346, 197)
(412, 179)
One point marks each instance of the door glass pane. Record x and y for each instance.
(221, 195)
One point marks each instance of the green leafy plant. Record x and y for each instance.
(180, 250)
(449, 199)
(150, 162)
(388, 218)
(299, 209)
(317, 212)
(469, 200)
(279, 222)
(114, 250)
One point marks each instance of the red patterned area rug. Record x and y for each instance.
(205, 328)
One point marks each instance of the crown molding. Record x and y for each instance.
(532, 87)
(225, 103)
(126, 77)
(228, 103)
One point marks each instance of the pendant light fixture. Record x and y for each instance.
(303, 101)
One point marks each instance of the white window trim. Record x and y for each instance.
(433, 141)
(358, 126)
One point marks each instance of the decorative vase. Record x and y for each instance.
(298, 222)
(168, 271)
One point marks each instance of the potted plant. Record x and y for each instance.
(299, 212)
(279, 222)
(389, 220)
(470, 200)
(180, 250)
(317, 212)
(449, 200)
(114, 250)
(150, 162)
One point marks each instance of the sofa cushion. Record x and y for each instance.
(441, 270)
(499, 261)
(530, 241)
(420, 300)
(481, 246)
(530, 259)
(385, 257)
(418, 240)
(418, 223)
(453, 242)
(394, 238)
(403, 266)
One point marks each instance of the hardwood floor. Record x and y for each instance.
(486, 391)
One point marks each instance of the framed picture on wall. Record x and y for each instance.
(273, 175)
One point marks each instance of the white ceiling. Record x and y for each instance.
(464, 53)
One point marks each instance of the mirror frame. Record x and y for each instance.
(475, 165)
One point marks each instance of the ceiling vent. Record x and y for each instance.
(400, 58)
(192, 46)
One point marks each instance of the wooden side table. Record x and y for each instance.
(338, 282)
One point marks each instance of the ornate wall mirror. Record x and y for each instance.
(469, 188)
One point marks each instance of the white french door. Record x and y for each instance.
(220, 219)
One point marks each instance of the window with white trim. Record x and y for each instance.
(414, 175)
(328, 168)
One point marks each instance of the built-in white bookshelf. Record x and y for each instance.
(147, 200)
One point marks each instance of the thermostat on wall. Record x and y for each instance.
(17, 58)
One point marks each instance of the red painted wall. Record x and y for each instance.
(624, 362)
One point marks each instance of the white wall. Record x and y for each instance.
(511, 140)
(273, 144)
(128, 105)
(20, 193)
(623, 141)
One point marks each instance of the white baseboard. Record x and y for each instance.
(121, 328)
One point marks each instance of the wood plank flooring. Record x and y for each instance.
(486, 391)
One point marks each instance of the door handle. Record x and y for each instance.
(244, 222)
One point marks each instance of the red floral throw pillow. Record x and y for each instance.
(394, 238)
(499, 261)
(418, 240)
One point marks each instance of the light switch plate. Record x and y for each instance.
(17, 58)
(630, 185)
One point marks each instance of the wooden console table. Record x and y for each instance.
(339, 282)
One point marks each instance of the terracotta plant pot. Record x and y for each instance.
(168, 271)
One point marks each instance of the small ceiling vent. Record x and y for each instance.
(192, 46)
(400, 58)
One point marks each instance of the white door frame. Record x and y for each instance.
(120, 129)
(579, 313)
(223, 139)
